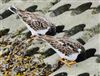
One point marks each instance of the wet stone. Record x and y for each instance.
(74, 30)
(32, 8)
(81, 41)
(84, 74)
(4, 31)
(61, 74)
(82, 8)
(32, 51)
(5, 14)
(60, 10)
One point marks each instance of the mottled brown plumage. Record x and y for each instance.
(36, 23)
(64, 45)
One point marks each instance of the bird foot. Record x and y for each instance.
(67, 62)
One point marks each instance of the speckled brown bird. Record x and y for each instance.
(37, 24)
(65, 48)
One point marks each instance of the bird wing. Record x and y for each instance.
(35, 21)
(60, 45)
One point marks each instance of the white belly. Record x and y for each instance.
(71, 57)
(42, 31)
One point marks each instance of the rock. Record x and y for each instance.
(81, 41)
(82, 8)
(61, 74)
(32, 8)
(4, 31)
(32, 51)
(84, 74)
(55, 2)
(60, 10)
(5, 14)
(49, 52)
(75, 29)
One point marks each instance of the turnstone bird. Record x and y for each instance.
(37, 24)
(68, 50)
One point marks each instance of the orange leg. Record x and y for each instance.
(68, 63)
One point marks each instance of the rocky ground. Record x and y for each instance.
(19, 56)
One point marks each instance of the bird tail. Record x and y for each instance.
(13, 9)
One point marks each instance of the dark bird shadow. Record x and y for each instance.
(55, 29)
(85, 55)
(48, 52)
